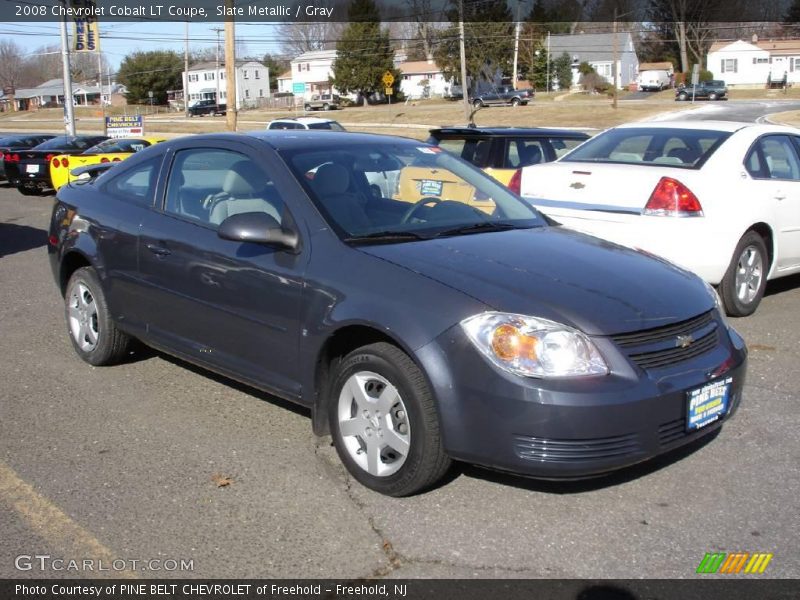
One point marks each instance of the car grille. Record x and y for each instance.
(661, 346)
(548, 450)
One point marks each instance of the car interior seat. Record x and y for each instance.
(529, 155)
(686, 155)
(245, 190)
(332, 184)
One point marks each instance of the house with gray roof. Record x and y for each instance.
(51, 93)
(597, 49)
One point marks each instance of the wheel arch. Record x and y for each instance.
(339, 343)
(72, 261)
(765, 231)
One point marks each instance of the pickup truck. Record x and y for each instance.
(505, 94)
(705, 90)
(323, 101)
(207, 107)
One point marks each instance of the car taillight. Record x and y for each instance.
(15, 158)
(49, 157)
(64, 162)
(516, 181)
(56, 163)
(104, 160)
(671, 198)
(115, 160)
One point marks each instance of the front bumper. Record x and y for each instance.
(571, 429)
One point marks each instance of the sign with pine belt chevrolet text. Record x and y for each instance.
(125, 126)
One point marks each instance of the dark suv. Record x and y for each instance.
(502, 151)
(207, 107)
(705, 90)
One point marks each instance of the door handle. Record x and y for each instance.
(158, 250)
(780, 196)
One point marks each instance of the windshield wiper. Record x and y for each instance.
(387, 236)
(478, 228)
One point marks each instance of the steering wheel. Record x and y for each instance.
(417, 205)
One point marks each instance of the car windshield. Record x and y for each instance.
(403, 191)
(684, 148)
(120, 145)
(329, 125)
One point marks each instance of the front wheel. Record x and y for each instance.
(516, 102)
(91, 330)
(326, 107)
(477, 103)
(683, 96)
(384, 422)
(307, 108)
(746, 278)
(712, 96)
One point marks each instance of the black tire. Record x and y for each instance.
(477, 103)
(111, 345)
(307, 108)
(29, 191)
(683, 96)
(751, 245)
(326, 107)
(425, 462)
(712, 96)
(516, 102)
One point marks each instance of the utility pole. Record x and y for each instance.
(216, 69)
(69, 112)
(463, 53)
(100, 85)
(547, 84)
(186, 71)
(230, 68)
(516, 48)
(614, 63)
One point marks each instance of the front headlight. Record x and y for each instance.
(533, 347)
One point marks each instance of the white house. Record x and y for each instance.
(285, 82)
(597, 49)
(754, 63)
(314, 69)
(204, 79)
(422, 79)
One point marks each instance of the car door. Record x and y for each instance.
(232, 305)
(774, 165)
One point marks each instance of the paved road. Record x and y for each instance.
(120, 464)
(734, 110)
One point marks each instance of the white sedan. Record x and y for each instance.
(721, 199)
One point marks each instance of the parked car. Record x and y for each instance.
(721, 199)
(305, 123)
(113, 150)
(502, 95)
(207, 107)
(11, 145)
(415, 334)
(654, 80)
(705, 90)
(31, 173)
(322, 101)
(503, 151)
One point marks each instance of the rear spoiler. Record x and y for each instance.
(91, 171)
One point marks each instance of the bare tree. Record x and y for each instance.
(12, 64)
(298, 37)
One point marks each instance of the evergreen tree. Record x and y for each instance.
(276, 68)
(563, 71)
(363, 53)
(156, 71)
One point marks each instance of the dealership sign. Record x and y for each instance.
(125, 126)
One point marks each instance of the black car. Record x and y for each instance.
(11, 145)
(502, 95)
(503, 151)
(31, 173)
(417, 332)
(705, 90)
(207, 107)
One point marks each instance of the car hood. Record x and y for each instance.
(559, 274)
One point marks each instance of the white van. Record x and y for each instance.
(654, 81)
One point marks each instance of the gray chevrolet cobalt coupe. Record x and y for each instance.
(422, 311)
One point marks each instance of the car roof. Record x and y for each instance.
(507, 132)
(729, 126)
(286, 139)
(303, 120)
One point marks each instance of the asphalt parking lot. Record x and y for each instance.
(130, 463)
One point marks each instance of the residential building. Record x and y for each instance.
(51, 94)
(205, 78)
(285, 82)
(315, 70)
(599, 50)
(422, 79)
(756, 62)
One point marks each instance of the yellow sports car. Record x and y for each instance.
(113, 150)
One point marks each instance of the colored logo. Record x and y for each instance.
(734, 563)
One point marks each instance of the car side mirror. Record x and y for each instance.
(258, 228)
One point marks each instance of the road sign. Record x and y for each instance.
(298, 88)
(388, 79)
(389, 91)
(695, 74)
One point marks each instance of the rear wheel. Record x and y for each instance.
(307, 108)
(326, 107)
(713, 96)
(29, 191)
(91, 330)
(477, 103)
(746, 278)
(516, 102)
(683, 96)
(384, 422)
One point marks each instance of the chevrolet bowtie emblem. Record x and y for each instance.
(577, 185)
(684, 341)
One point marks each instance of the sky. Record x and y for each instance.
(117, 39)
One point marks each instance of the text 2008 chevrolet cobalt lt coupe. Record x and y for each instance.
(459, 325)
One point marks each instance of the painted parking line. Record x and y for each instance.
(56, 528)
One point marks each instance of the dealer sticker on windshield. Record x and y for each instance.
(708, 403)
(430, 187)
